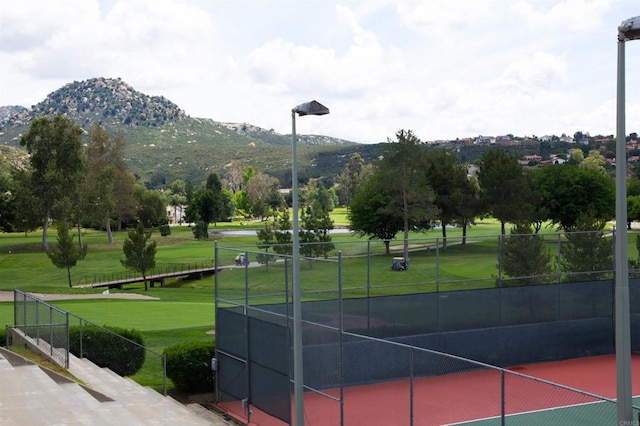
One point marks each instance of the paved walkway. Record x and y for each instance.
(7, 296)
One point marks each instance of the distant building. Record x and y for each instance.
(484, 139)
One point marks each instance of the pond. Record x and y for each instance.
(251, 232)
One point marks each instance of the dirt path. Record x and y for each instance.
(7, 296)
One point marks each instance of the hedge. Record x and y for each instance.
(189, 365)
(106, 348)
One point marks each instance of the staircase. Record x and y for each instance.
(34, 395)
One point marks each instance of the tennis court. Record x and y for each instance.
(424, 358)
(475, 398)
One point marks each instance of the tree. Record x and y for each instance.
(241, 201)
(368, 213)
(204, 206)
(176, 200)
(8, 202)
(505, 190)
(151, 206)
(448, 181)
(633, 209)
(354, 174)
(108, 184)
(567, 191)
(633, 186)
(524, 257)
(66, 254)
(308, 225)
(233, 177)
(139, 252)
(320, 202)
(405, 182)
(55, 148)
(282, 233)
(213, 183)
(588, 252)
(263, 195)
(266, 237)
(213, 203)
(470, 208)
(27, 217)
(595, 162)
(577, 156)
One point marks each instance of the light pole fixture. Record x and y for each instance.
(627, 31)
(308, 108)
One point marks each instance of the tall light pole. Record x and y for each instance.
(627, 31)
(308, 108)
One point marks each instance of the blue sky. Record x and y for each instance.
(444, 69)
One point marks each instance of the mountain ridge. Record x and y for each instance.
(164, 143)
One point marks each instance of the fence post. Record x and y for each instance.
(164, 374)
(559, 254)
(411, 368)
(503, 398)
(341, 331)
(50, 331)
(67, 343)
(437, 265)
(368, 285)
(246, 285)
(81, 339)
(37, 325)
(500, 241)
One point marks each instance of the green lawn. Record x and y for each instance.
(185, 309)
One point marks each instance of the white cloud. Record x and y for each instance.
(443, 69)
(574, 15)
(533, 73)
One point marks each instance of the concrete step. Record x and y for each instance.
(140, 401)
(32, 395)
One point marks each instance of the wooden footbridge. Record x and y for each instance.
(159, 276)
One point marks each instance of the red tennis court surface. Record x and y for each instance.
(458, 397)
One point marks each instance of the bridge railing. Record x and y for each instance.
(158, 270)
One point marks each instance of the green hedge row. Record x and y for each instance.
(106, 348)
(189, 365)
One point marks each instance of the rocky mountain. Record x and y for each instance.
(12, 159)
(163, 143)
(109, 101)
(9, 111)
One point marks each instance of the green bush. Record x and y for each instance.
(3, 336)
(107, 348)
(165, 230)
(189, 365)
(201, 230)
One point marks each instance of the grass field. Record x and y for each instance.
(185, 309)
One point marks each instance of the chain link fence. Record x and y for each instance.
(471, 306)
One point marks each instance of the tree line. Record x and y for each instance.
(412, 188)
(79, 178)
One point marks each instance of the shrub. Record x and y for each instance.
(3, 336)
(200, 230)
(165, 229)
(106, 347)
(189, 365)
